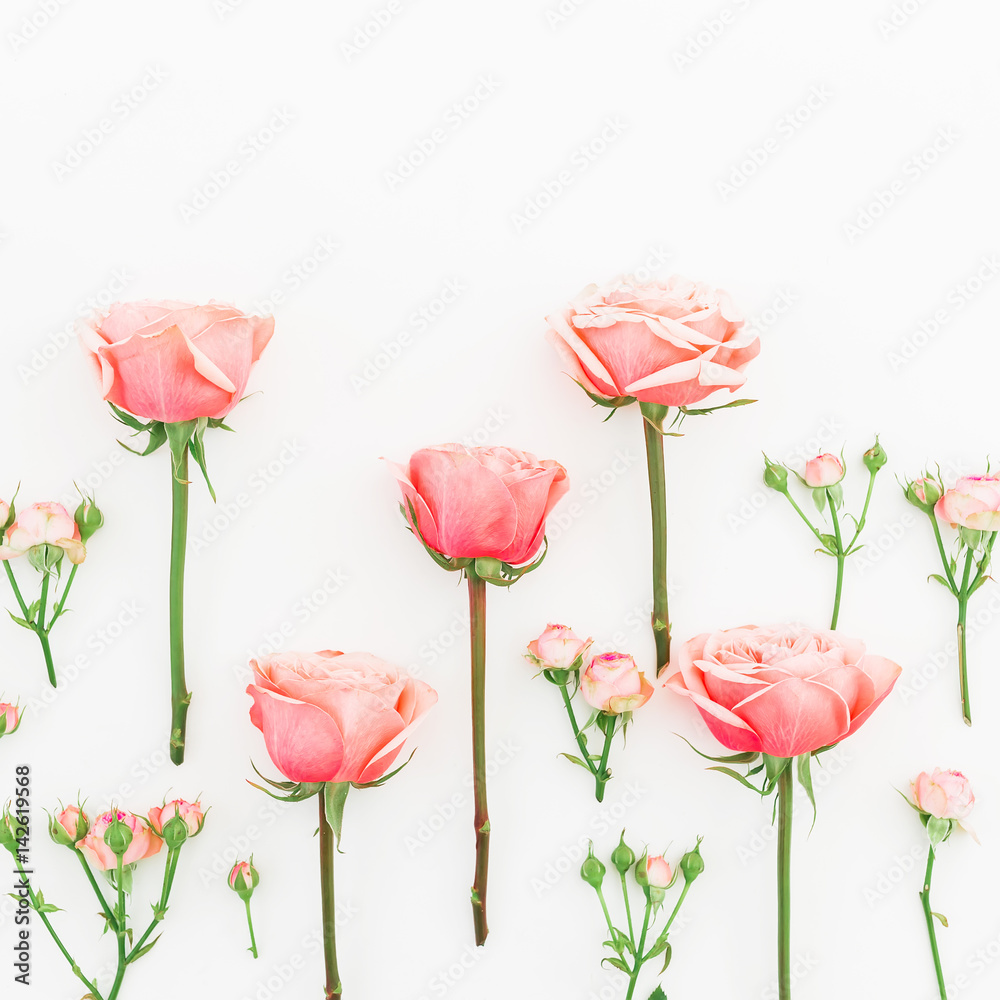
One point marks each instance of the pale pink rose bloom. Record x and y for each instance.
(10, 716)
(973, 502)
(472, 502)
(658, 872)
(145, 843)
(44, 524)
(670, 342)
(945, 794)
(191, 812)
(781, 689)
(613, 683)
(174, 361)
(824, 470)
(557, 648)
(332, 716)
(71, 819)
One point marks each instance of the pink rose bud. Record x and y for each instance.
(612, 683)
(69, 826)
(658, 872)
(973, 502)
(558, 648)
(177, 820)
(824, 470)
(244, 878)
(44, 531)
(144, 843)
(10, 718)
(945, 794)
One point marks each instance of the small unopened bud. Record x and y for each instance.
(89, 519)
(8, 828)
(592, 871)
(824, 471)
(69, 826)
(177, 820)
(117, 836)
(623, 857)
(875, 457)
(243, 879)
(692, 864)
(775, 476)
(924, 493)
(10, 718)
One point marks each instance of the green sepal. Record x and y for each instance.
(940, 579)
(618, 964)
(128, 420)
(576, 760)
(938, 830)
(804, 762)
(654, 414)
(746, 757)
(21, 621)
(819, 498)
(614, 402)
(689, 411)
(775, 766)
(620, 943)
(334, 796)
(385, 777)
(198, 451)
(739, 777)
(296, 791)
(443, 561)
(661, 945)
(502, 574)
(178, 438)
(830, 542)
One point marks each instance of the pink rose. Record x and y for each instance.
(145, 843)
(172, 361)
(10, 717)
(473, 502)
(672, 343)
(44, 524)
(824, 470)
(658, 872)
(558, 648)
(191, 812)
(74, 823)
(782, 690)
(612, 683)
(333, 716)
(973, 502)
(243, 878)
(945, 794)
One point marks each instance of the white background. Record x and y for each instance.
(846, 357)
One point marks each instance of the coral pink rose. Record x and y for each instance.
(672, 343)
(172, 361)
(658, 872)
(473, 502)
(613, 683)
(145, 843)
(73, 822)
(973, 502)
(44, 524)
(782, 690)
(10, 718)
(945, 794)
(824, 470)
(191, 812)
(333, 716)
(558, 648)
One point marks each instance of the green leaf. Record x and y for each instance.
(618, 964)
(819, 499)
(940, 579)
(689, 412)
(830, 542)
(144, 949)
(335, 795)
(576, 760)
(941, 917)
(805, 780)
(736, 758)
(658, 994)
(21, 621)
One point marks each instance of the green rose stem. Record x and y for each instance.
(38, 627)
(840, 558)
(253, 940)
(600, 773)
(121, 932)
(925, 899)
(106, 910)
(52, 933)
(653, 415)
(963, 672)
(180, 697)
(159, 912)
(477, 629)
(785, 788)
(327, 847)
(637, 968)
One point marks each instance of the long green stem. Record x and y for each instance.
(106, 910)
(253, 940)
(798, 510)
(43, 636)
(963, 671)
(676, 909)
(16, 589)
(477, 628)
(159, 912)
(637, 967)
(785, 789)
(607, 915)
(580, 742)
(327, 848)
(602, 775)
(121, 932)
(55, 937)
(864, 510)
(840, 560)
(944, 556)
(180, 697)
(62, 600)
(658, 507)
(925, 899)
(628, 908)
